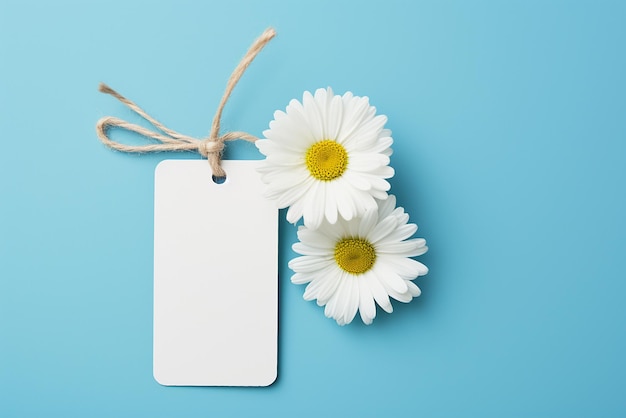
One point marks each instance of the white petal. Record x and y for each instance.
(404, 296)
(276, 177)
(304, 249)
(385, 207)
(410, 248)
(384, 228)
(330, 208)
(366, 161)
(320, 282)
(367, 223)
(335, 308)
(332, 232)
(352, 303)
(382, 145)
(301, 278)
(413, 289)
(343, 296)
(352, 227)
(329, 286)
(310, 292)
(316, 239)
(328, 277)
(290, 195)
(367, 308)
(366, 134)
(280, 142)
(314, 118)
(405, 267)
(378, 291)
(356, 180)
(286, 160)
(296, 125)
(357, 137)
(313, 210)
(294, 213)
(378, 194)
(346, 200)
(385, 172)
(334, 117)
(287, 179)
(377, 182)
(363, 201)
(401, 233)
(392, 281)
(402, 217)
(309, 264)
(355, 109)
(323, 98)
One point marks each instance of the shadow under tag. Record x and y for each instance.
(215, 276)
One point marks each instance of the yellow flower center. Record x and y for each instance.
(326, 160)
(355, 255)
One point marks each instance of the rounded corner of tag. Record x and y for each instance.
(162, 165)
(159, 379)
(270, 379)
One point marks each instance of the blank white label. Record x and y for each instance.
(215, 276)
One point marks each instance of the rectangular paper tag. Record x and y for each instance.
(215, 276)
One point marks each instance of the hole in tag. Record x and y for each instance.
(218, 180)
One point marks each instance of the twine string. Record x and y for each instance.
(168, 139)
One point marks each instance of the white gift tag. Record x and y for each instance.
(215, 276)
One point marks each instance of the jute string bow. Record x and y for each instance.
(210, 147)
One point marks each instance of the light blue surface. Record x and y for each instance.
(509, 120)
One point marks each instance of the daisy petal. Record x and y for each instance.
(356, 181)
(294, 213)
(383, 144)
(301, 278)
(367, 308)
(403, 248)
(331, 204)
(385, 207)
(366, 162)
(313, 114)
(334, 118)
(378, 292)
(328, 288)
(382, 229)
(402, 232)
(368, 221)
(316, 239)
(308, 263)
(392, 281)
(401, 297)
(405, 267)
(335, 306)
(353, 300)
(304, 249)
(413, 289)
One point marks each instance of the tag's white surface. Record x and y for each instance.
(215, 276)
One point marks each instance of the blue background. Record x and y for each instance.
(509, 120)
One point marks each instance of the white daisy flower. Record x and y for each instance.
(326, 156)
(353, 263)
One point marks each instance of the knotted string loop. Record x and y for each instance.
(167, 139)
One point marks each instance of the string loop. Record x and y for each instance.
(167, 139)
